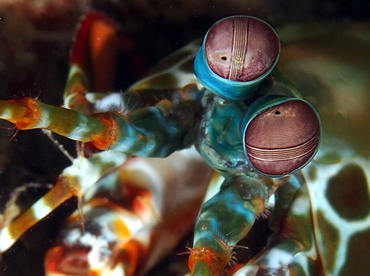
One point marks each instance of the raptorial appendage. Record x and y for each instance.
(225, 219)
(137, 201)
(132, 133)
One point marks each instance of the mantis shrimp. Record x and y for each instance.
(263, 130)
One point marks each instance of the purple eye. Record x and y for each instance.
(241, 48)
(282, 137)
(237, 54)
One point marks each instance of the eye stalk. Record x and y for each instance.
(281, 135)
(238, 52)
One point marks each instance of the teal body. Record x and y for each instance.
(218, 137)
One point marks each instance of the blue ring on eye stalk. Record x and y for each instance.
(228, 89)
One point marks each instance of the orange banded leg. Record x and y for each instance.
(74, 181)
(95, 59)
(154, 131)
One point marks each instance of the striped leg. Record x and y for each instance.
(74, 181)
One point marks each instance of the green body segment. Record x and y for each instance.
(28, 113)
(156, 131)
(218, 138)
(240, 199)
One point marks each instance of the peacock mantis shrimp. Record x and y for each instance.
(265, 130)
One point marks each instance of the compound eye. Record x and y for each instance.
(241, 48)
(282, 138)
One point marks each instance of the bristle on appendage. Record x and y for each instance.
(50, 135)
(12, 209)
(74, 181)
